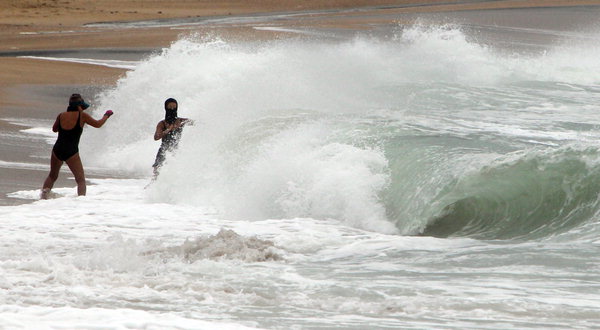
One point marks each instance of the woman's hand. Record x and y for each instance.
(170, 128)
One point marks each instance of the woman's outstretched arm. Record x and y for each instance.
(96, 123)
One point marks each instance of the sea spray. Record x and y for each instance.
(371, 132)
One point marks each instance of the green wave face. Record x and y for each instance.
(536, 196)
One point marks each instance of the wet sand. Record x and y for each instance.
(37, 90)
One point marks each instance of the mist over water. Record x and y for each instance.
(393, 135)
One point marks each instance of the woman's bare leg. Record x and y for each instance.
(55, 165)
(76, 168)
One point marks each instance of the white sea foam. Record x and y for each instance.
(108, 63)
(114, 252)
(50, 32)
(18, 317)
(22, 165)
(112, 259)
(288, 30)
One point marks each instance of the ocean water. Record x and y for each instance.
(419, 180)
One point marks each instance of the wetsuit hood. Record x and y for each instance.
(171, 115)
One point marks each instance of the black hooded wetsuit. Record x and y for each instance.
(169, 143)
(67, 143)
(170, 140)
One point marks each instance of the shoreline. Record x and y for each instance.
(43, 30)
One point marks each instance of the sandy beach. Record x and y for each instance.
(37, 89)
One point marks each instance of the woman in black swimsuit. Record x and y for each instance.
(169, 131)
(69, 125)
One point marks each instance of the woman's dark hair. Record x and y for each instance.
(76, 100)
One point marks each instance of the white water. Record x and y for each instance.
(321, 158)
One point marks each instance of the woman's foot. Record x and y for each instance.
(45, 193)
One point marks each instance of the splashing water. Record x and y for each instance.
(349, 130)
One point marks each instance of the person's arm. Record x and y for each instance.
(187, 121)
(96, 123)
(161, 130)
(56, 122)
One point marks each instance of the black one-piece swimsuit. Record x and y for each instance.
(67, 143)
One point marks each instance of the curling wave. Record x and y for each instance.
(535, 196)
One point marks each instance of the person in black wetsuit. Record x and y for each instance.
(69, 125)
(169, 130)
